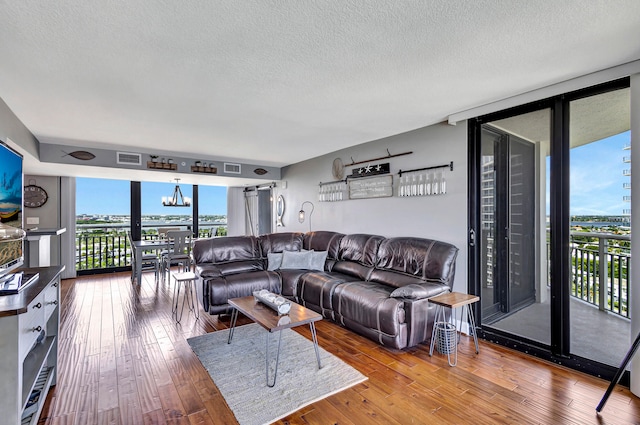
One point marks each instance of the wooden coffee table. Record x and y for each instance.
(272, 322)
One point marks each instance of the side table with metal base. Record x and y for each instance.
(188, 279)
(443, 328)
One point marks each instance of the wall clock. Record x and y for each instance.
(34, 196)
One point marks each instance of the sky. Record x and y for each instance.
(596, 177)
(111, 197)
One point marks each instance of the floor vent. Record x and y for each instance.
(129, 158)
(232, 168)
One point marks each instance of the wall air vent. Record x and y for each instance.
(127, 158)
(232, 168)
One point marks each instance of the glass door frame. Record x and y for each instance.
(559, 349)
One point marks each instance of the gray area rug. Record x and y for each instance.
(238, 370)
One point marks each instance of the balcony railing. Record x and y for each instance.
(104, 248)
(601, 265)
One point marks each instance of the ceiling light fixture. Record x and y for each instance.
(176, 200)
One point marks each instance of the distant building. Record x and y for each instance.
(627, 185)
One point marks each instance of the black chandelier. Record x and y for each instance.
(176, 200)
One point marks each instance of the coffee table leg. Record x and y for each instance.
(234, 317)
(275, 372)
(315, 343)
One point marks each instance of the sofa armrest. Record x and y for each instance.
(208, 271)
(418, 291)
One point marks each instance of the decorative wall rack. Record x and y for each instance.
(449, 165)
(378, 159)
(333, 191)
(421, 182)
(417, 182)
(333, 182)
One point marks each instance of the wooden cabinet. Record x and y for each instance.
(29, 324)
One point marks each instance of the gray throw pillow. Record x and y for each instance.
(274, 260)
(296, 260)
(318, 258)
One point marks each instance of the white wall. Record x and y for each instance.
(235, 212)
(48, 215)
(68, 221)
(442, 217)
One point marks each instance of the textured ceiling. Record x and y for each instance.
(278, 82)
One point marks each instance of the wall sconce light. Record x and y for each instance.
(301, 214)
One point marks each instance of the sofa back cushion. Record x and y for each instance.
(280, 242)
(228, 249)
(407, 260)
(357, 255)
(323, 241)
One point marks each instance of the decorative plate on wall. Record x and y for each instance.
(337, 169)
(280, 211)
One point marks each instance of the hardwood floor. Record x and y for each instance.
(123, 360)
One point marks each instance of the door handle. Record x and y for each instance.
(472, 237)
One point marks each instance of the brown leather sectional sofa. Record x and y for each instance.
(378, 287)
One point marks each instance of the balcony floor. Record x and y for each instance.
(600, 336)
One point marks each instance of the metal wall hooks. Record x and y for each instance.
(378, 159)
(449, 165)
(423, 181)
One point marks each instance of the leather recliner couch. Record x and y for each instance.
(378, 287)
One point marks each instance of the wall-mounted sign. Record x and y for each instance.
(369, 170)
(372, 187)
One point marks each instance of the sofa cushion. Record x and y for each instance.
(424, 259)
(280, 242)
(370, 305)
(360, 248)
(318, 260)
(290, 281)
(323, 241)
(241, 285)
(235, 267)
(355, 270)
(226, 249)
(357, 255)
(315, 291)
(274, 260)
(296, 260)
(394, 279)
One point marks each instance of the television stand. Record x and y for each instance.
(29, 362)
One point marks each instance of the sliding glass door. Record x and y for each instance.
(549, 206)
(600, 231)
(510, 227)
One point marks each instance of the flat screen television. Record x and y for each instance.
(11, 244)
